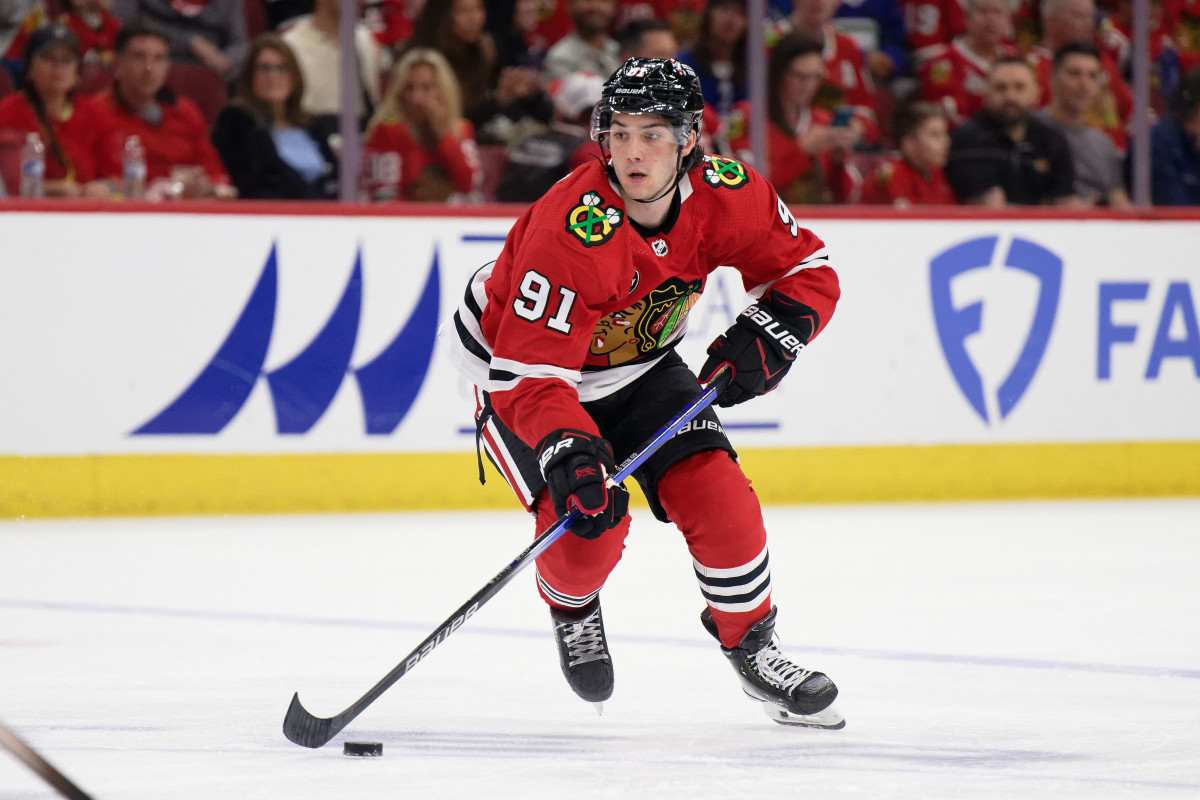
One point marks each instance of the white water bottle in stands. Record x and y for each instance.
(134, 168)
(33, 167)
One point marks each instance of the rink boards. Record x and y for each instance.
(208, 359)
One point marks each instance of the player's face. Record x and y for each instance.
(1012, 93)
(929, 145)
(644, 153)
(1077, 81)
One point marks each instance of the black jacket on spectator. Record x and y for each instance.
(255, 167)
(1031, 172)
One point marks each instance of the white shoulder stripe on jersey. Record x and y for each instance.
(819, 258)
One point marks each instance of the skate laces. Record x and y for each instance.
(584, 639)
(775, 667)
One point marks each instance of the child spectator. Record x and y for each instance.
(267, 141)
(915, 178)
(172, 130)
(807, 153)
(76, 129)
(418, 146)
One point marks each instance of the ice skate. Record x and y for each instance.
(790, 694)
(583, 652)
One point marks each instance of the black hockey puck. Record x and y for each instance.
(362, 749)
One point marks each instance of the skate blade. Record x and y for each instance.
(599, 708)
(828, 719)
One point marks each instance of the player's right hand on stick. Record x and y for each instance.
(576, 465)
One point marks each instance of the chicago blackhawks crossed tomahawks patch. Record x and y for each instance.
(725, 172)
(593, 223)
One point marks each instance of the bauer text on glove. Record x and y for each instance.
(760, 347)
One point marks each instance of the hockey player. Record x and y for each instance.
(569, 339)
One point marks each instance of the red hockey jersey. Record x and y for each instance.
(956, 77)
(579, 304)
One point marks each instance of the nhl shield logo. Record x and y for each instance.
(591, 222)
(659, 246)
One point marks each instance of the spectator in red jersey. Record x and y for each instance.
(180, 159)
(848, 83)
(90, 20)
(807, 152)
(955, 75)
(1066, 21)
(931, 23)
(418, 146)
(208, 32)
(271, 147)
(915, 178)
(77, 130)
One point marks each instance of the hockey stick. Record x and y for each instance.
(30, 758)
(304, 729)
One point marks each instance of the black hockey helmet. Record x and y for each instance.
(661, 86)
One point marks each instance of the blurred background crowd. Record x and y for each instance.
(896, 102)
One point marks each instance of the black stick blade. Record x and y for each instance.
(304, 729)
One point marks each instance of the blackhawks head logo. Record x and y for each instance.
(592, 222)
(724, 172)
(643, 327)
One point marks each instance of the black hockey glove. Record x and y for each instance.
(575, 465)
(760, 347)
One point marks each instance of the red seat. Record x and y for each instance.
(200, 85)
(255, 14)
(492, 158)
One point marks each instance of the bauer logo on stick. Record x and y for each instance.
(592, 222)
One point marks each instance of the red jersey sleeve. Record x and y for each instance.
(383, 161)
(764, 242)
(460, 157)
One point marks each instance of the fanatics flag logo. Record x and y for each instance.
(1013, 360)
(590, 222)
(725, 172)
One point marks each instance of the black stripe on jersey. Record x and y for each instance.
(501, 376)
(737, 580)
(469, 342)
(469, 297)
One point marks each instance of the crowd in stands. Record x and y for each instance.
(881, 102)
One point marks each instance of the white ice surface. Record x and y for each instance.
(982, 651)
